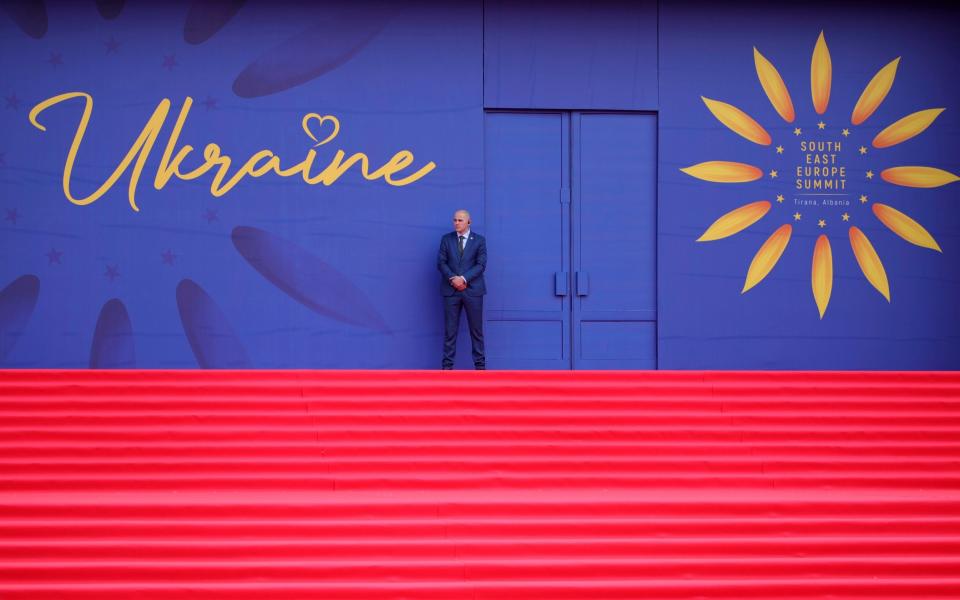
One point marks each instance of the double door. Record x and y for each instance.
(570, 218)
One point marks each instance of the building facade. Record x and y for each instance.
(661, 185)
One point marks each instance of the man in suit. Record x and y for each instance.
(462, 260)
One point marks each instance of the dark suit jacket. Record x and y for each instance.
(470, 266)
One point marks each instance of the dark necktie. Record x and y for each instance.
(461, 245)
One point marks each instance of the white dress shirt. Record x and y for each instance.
(466, 237)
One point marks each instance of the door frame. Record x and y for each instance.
(570, 196)
(576, 199)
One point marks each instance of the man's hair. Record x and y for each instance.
(464, 211)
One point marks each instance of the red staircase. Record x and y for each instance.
(489, 485)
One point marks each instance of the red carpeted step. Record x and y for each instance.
(426, 570)
(479, 485)
(232, 451)
(916, 588)
(268, 547)
(662, 528)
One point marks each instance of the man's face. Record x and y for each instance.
(460, 222)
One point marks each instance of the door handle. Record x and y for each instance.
(560, 283)
(583, 283)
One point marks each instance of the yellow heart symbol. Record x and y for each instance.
(321, 119)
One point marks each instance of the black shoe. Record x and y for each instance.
(480, 367)
(446, 368)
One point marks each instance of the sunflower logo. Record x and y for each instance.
(823, 179)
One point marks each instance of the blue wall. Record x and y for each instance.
(705, 321)
(280, 274)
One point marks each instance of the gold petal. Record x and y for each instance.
(721, 171)
(906, 128)
(821, 275)
(869, 262)
(773, 86)
(918, 177)
(905, 227)
(735, 221)
(875, 92)
(767, 256)
(821, 75)
(738, 121)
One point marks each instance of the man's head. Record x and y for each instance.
(461, 221)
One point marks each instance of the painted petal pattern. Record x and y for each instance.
(211, 337)
(918, 177)
(773, 86)
(307, 279)
(735, 221)
(30, 16)
(821, 75)
(869, 262)
(906, 128)
(207, 17)
(767, 256)
(110, 9)
(905, 227)
(821, 274)
(113, 346)
(17, 302)
(721, 171)
(313, 52)
(875, 92)
(738, 121)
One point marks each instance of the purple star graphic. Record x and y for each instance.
(54, 256)
(168, 257)
(169, 62)
(210, 215)
(112, 272)
(56, 59)
(12, 215)
(12, 101)
(112, 45)
(210, 103)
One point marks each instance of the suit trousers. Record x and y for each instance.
(473, 306)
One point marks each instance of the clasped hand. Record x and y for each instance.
(458, 283)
